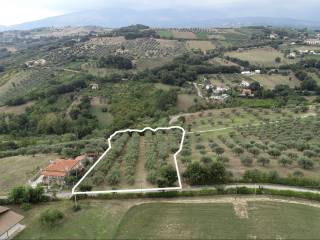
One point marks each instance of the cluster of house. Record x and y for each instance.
(215, 93)
(313, 41)
(58, 169)
(300, 52)
(34, 63)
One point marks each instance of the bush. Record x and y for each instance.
(274, 152)
(25, 206)
(238, 150)
(51, 217)
(263, 160)
(206, 159)
(306, 163)
(285, 160)
(246, 160)
(24, 194)
(76, 207)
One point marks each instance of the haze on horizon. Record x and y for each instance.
(20, 11)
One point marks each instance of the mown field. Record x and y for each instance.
(261, 57)
(137, 161)
(123, 219)
(18, 170)
(218, 221)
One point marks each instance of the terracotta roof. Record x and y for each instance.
(60, 167)
(8, 219)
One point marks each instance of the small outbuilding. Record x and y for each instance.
(9, 223)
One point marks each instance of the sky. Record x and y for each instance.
(19, 11)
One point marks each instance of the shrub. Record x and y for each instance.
(263, 160)
(51, 217)
(76, 207)
(25, 206)
(284, 161)
(200, 147)
(309, 153)
(219, 150)
(246, 160)
(238, 150)
(274, 152)
(255, 151)
(206, 159)
(306, 163)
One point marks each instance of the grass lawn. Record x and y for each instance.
(262, 56)
(267, 220)
(18, 170)
(185, 101)
(96, 220)
(97, 106)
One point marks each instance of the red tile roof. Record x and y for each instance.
(60, 167)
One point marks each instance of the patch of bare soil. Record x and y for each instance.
(240, 208)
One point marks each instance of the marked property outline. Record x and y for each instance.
(74, 192)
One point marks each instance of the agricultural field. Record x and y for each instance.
(18, 170)
(202, 45)
(266, 80)
(186, 101)
(165, 33)
(184, 35)
(137, 161)
(265, 57)
(256, 139)
(205, 218)
(99, 108)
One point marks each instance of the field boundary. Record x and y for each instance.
(74, 192)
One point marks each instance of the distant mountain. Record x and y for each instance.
(163, 18)
(3, 28)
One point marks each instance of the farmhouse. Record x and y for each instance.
(59, 169)
(94, 86)
(9, 223)
(244, 84)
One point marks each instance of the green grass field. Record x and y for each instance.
(123, 219)
(18, 170)
(262, 56)
(218, 221)
(165, 34)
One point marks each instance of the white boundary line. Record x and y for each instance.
(135, 190)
